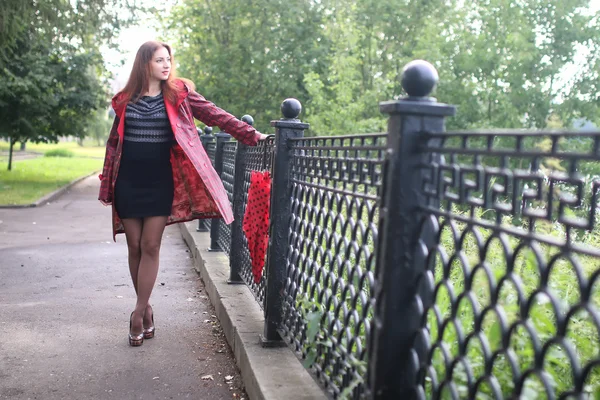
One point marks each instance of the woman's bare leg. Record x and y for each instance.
(152, 231)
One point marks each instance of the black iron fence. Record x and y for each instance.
(210, 146)
(421, 263)
(335, 191)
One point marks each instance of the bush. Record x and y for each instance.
(58, 153)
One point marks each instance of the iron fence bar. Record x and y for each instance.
(205, 139)
(237, 240)
(522, 233)
(221, 138)
(395, 355)
(286, 128)
(508, 153)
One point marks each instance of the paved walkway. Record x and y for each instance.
(65, 300)
(19, 155)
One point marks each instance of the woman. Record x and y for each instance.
(156, 171)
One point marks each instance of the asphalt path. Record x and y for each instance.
(65, 301)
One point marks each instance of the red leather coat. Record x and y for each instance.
(199, 192)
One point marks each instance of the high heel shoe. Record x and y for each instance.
(135, 340)
(149, 332)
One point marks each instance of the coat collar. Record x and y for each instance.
(119, 106)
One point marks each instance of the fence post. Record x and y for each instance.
(207, 137)
(395, 358)
(286, 128)
(237, 239)
(221, 138)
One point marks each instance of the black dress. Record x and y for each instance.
(144, 186)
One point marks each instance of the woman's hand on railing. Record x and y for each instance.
(262, 137)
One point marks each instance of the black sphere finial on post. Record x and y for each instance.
(406, 238)
(287, 130)
(291, 108)
(208, 130)
(419, 78)
(248, 119)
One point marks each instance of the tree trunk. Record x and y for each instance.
(10, 153)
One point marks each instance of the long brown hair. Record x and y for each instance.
(139, 79)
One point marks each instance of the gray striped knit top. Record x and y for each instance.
(147, 121)
(147, 140)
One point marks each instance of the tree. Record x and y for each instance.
(52, 77)
(502, 62)
(99, 126)
(515, 52)
(249, 56)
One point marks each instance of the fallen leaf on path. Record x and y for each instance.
(207, 378)
(155, 378)
(228, 378)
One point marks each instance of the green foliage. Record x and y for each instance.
(581, 334)
(99, 127)
(316, 343)
(248, 56)
(52, 78)
(59, 153)
(44, 96)
(503, 63)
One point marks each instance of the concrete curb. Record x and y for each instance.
(268, 373)
(51, 196)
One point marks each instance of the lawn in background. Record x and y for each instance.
(88, 150)
(34, 178)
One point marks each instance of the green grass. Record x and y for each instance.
(34, 178)
(59, 153)
(581, 335)
(88, 150)
(331, 252)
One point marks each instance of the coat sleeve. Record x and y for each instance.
(212, 115)
(106, 195)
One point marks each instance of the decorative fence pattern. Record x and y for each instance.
(515, 309)
(210, 146)
(259, 158)
(227, 176)
(336, 183)
(421, 263)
